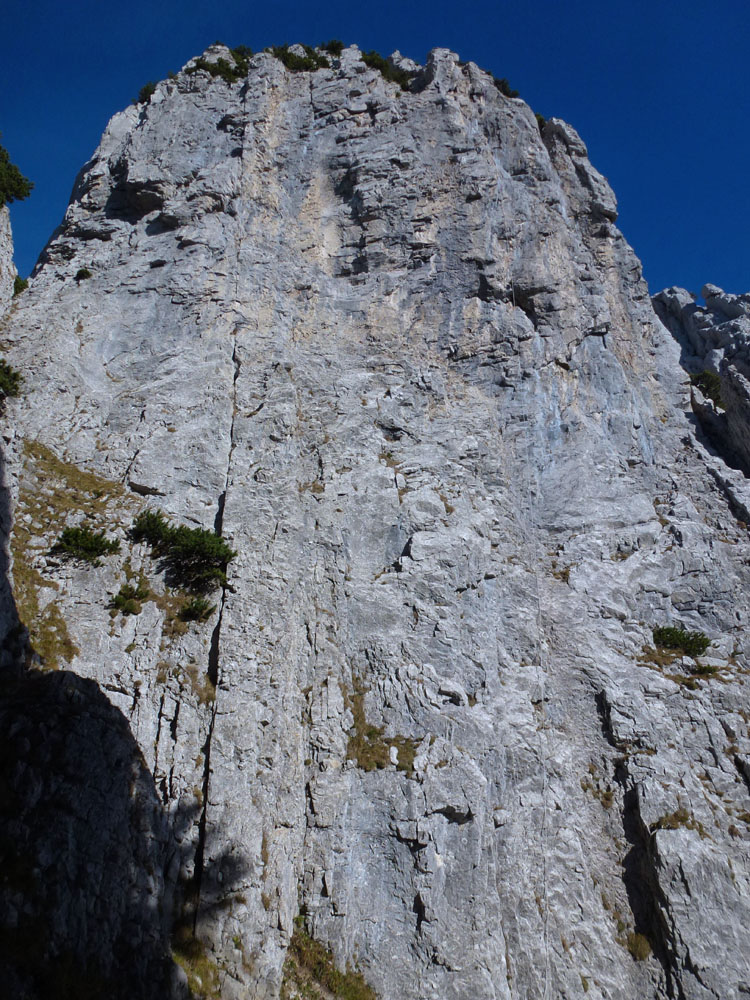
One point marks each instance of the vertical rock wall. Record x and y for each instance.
(392, 345)
(7, 268)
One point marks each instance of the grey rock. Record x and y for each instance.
(716, 338)
(7, 267)
(394, 347)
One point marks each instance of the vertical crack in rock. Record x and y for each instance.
(215, 644)
(200, 851)
(647, 901)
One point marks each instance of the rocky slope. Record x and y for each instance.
(392, 346)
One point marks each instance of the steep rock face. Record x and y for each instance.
(716, 338)
(393, 346)
(7, 267)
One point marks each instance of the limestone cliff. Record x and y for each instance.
(7, 267)
(391, 345)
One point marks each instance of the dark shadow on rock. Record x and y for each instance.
(647, 902)
(82, 845)
(92, 863)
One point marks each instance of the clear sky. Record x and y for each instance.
(658, 89)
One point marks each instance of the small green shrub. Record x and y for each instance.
(151, 527)
(229, 72)
(84, 544)
(13, 185)
(540, 120)
(196, 557)
(19, 285)
(504, 87)
(145, 93)
(128, 599)
(10, 380)
(335, 47)
(387, 70)
(82, 274)
(197, 610)
(690, 643)
(307, 63)
(242, 54)
(709, 384)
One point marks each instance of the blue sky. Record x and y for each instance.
(659, 91)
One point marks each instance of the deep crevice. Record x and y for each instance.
(194, 893)
(194, 897)
(645, 896)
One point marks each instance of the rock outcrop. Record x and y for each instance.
(391, 345)
(715, 338)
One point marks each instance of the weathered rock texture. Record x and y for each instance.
(7, 267)
(392, 345)
(716, 338)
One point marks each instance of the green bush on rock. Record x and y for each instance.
(504, 87)
(196, 557)
(229, 72)
(10, 380)
(387, 70)
(197, 610)
(145, 93)
(128, 599)
(335, 47)
(84, 544)
(690, 643)
(13, 185)
(295, 63)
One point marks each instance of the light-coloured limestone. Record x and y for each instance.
(394, 346)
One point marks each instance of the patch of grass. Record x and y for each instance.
(10, 380)
(52, 642)
(677, 819)
(307, 63)
(689, 643)
(638, 946)
(19, 285)
(82, 274)
(85, 545)
(202, 685)
(201, 971)
(196, 557)
(367, 746)
(198, 609)
(310, 972)
(709, 384)
(50, 490)
(387, 70)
